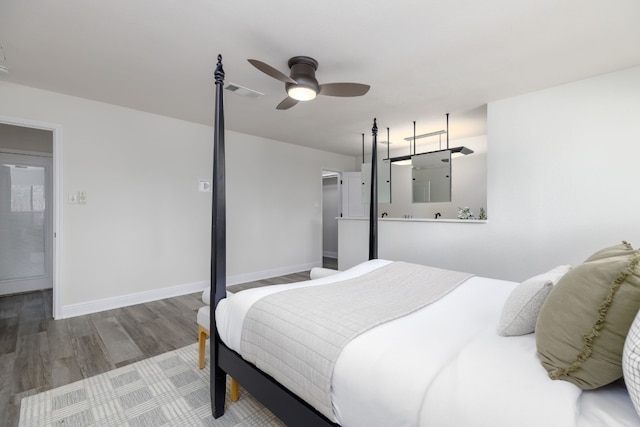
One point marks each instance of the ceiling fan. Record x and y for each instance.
(302, 85)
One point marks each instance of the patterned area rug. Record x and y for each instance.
(166, 390)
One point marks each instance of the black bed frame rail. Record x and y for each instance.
(292, 410)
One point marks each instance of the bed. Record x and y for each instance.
(438, 364)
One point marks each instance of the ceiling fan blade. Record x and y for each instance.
(287, 103)
(343, 89)
(270, 71)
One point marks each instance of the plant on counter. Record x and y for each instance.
(483, 214)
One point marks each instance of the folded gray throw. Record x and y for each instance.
(297, 335)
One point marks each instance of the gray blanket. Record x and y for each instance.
(297, 335)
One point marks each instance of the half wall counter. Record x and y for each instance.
(436, 242)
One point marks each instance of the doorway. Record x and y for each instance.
(29, 214)
(25, 223)
(331, 210)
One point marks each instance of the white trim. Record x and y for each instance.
(56, 129)
(58, 290)
(174, 291)
(330, 254)
(267, 274)
(131, 299)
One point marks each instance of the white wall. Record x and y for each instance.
(274, 197)
(145, 230)
(562, 174)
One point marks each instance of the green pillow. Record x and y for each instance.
(583, 323)
(623, 248)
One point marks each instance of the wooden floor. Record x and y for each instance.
(38, 353)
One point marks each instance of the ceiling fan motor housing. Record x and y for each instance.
(303, 71)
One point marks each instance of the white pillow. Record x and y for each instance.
(206, 296)
(318, 272)
(631, 362)
(521, 309)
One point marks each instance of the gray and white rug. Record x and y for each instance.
(166, 390)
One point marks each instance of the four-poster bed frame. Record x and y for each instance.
(469, 351)
(292, 410)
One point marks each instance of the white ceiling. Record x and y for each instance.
(422, 58)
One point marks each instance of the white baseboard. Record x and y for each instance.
(329, 254)
(266, 274)
(174, 291)
(131, 299)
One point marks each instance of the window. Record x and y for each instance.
(27, 188)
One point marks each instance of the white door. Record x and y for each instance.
(352, 206)
(25, 223)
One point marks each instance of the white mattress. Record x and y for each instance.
(445, 365)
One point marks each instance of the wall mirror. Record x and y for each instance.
(431, 177)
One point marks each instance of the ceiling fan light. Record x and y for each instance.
(301, 93)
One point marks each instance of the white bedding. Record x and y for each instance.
(445, 365)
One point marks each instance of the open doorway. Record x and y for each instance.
(25, 223)
(27, 209)
(331, 210)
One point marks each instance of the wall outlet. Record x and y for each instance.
(204, 186)
(82, 197)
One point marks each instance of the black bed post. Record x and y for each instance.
(218, 247)
(373, 206)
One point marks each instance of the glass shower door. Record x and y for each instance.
(25, 223)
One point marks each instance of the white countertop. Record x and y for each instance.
(465, 221)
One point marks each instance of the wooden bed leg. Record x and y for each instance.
(202, 344)
(235, 391)
(203, 334)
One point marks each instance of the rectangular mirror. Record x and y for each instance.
(384, 182)
(431, 177)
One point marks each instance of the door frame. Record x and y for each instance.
(337, 173)
(56, 176)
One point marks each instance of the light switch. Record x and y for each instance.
(73, 198)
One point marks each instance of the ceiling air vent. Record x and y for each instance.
(241, 90)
